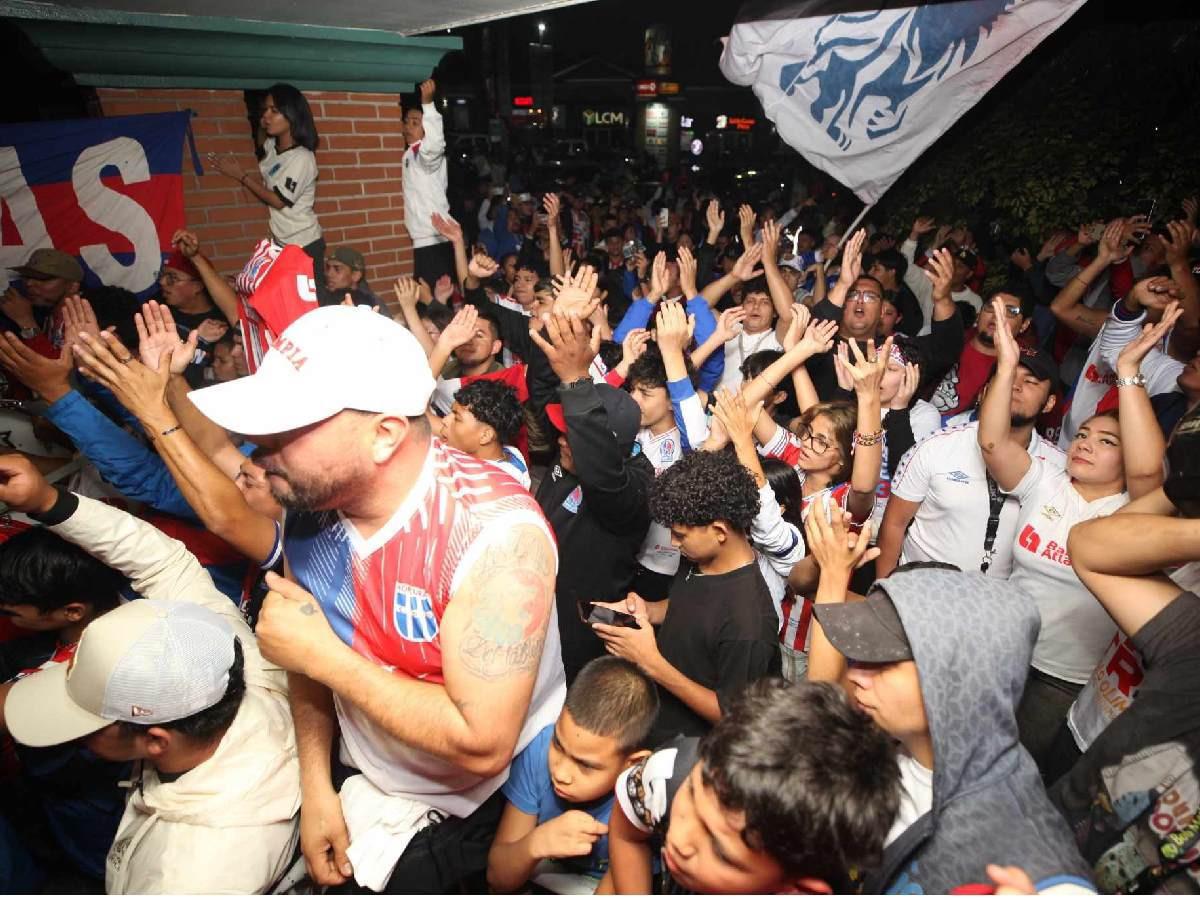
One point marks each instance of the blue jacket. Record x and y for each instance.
(641, 311)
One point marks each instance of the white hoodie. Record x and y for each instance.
(425, 181)
(230, 825)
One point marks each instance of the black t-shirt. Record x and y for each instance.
(1133, 800)
(721, 631)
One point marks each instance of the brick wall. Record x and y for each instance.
(359, 195)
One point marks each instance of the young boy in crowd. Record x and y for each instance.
(718, 626)
(560, 787)
(54, 589)
(483, 421)
(790, 792)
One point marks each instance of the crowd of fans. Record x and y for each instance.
(639, 542)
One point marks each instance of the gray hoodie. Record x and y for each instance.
(972, 638)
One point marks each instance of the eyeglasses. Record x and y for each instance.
(864, 296)
(170, 278)
(818, 443)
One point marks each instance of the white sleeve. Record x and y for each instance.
(911, 480)
(924, 419)
(921, 286)
(778, 541)
(298, 170)
(1038, 475)
(1162, 372)
(1115, 334)
(433, 145)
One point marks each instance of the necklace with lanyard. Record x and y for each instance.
(995, 506)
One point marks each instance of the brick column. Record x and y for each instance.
(359, 194)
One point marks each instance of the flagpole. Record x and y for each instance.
(849, 231)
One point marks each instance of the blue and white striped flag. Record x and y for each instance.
(861, 89)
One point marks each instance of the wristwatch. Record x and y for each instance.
(1138, 380)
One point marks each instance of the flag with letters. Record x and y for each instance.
(860, 89)
(109, 191)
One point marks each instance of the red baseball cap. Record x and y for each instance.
(181, 263)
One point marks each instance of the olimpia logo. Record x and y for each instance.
(412, 614)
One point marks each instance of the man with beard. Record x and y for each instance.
(429, 638)
(942, 488)
(960, 388)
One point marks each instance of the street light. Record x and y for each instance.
(541, 30)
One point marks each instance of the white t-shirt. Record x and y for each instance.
(1075, 627)
(744, 345)
(946, 475)
(916, 795)
(663, 451)
(292, 175)
(924, 419)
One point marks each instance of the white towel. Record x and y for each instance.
(380, 827)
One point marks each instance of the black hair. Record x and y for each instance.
(613, 232)
(893, 260)
(910, 348)
(494, 404)
(486, 314)
(877, 282)
(703, 488)
(611, 697)
(926, 564)
(115, 307)
(610, 354)
(294, 107)
(40, 569)
(208, 723)
(544, 285)
(649, 370)
(785, 485)
(1023, 292)
(756, 286)
(816, 780)
(438, 313)
(755, 364)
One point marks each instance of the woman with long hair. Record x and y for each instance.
(287, 181)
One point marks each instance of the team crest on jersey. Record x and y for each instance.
(412, 614)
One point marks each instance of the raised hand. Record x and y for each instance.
(1191, 205)
(729, 324)
(735, 417)
(158, 337)
(227, 165)
(714, 217)
(78, 316)
(1179, 243)
(908, 387)
(1156, 292)
(818, 338)
(922, 225)
(1050, 247)
(575, 293)
(939, 269)
(447, 227)
(867, 371)
(851, 269)
(770, 241)
(687, 273)
(139, 388)
(1111, 246)
(427, 90)
(18, 307)
(674, 328)
(837, 549)
(746, 218)
(460, 329)
(1085, 233)
(1008, 352)
(186, 242)
(550, 204)
(567, 346)
(744, 269)
(49, 378)
(482, 267)
(443, 289)
(658, 277)
(633, 347)
(407, 292)
(23, 487)
(212, 330)
(1129, 360)
(801, 315)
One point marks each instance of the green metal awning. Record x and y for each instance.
(111, 48)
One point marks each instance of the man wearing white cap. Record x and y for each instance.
(437, 652)
(175, 682)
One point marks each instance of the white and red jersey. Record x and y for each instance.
(385, 597)
(274, 288)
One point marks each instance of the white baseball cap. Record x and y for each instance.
(330, 359)
(145, 662)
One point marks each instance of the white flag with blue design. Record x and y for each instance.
(861, 89)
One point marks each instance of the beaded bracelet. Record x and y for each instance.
(868, 440)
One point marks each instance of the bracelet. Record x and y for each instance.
(868, 440)
(1081, 280)
(170, 430)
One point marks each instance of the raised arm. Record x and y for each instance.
(408, 295)
(452, 231)
(1006, 459)
(743, 270)
(781, 297)
(1142, 443)
(866, 372)
(460, 330)
(550, 204)
(1066, 305)
(728, 325)
(433, 145)
(851, 268)
(219, 290)
(838, 551)
(1178, 246)
(803, 340)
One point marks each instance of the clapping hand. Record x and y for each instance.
(568, 348)
(1129, 360)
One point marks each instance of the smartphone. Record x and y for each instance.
(1097, 231)
(606, 616)
(664, 217)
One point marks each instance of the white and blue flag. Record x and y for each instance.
(860, 89)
